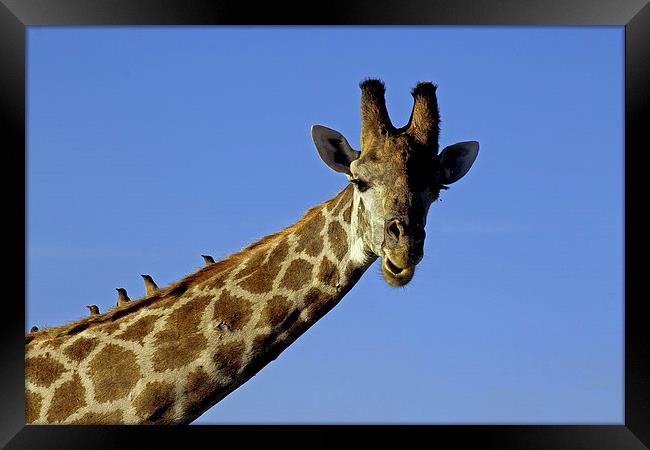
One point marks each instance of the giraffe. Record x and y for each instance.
(167, 357)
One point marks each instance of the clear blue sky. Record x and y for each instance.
(148, 146)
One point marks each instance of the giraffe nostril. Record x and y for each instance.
(394, 230)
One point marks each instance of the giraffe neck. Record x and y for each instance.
(205, 336)
(283, 289)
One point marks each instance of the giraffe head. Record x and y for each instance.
(397, 174)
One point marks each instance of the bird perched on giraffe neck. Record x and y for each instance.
(208, 259)
(122, 296)
(34, 329)
(150, 286)
(94, 310)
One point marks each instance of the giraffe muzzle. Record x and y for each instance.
(402, 250)
(396, 274)
(398, 264)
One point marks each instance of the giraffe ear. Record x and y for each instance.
(333, 148)
(455, 161)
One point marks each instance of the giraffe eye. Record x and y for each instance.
(360, 184)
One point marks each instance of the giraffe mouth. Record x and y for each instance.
(394, 274)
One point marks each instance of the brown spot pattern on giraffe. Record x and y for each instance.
(317, 304)
(352, 273)
(261, 279)
(253, 262)
(346, 196)
(139, 330)
(105, 418)
(198, 391)
(155, 403)
(275, 312)
(309, 239)
(266, 348)
(175, 349)
(218, 281)
(297, 275)
(68, 398)
(79, 349)
(54, 343)
(314, 299)
(228, 358)
(338, 240)
(347, 214)
(110, 327)
(43, 370)
(328, 272)
(279, 253)
(32, 406)
(261, 345)
(180, 342)
(187, 317)
(164, 303)
(114, 371)
(232, 311)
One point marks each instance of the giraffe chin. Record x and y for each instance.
(396, 276)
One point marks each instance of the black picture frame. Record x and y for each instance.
(634, 15)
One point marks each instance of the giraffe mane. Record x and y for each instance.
(179, 287)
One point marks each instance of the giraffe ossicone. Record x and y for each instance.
(169, 356)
